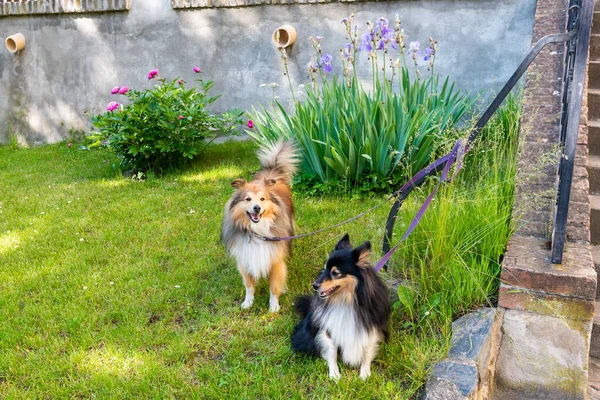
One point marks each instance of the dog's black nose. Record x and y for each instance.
(316, 286)
(257, 209)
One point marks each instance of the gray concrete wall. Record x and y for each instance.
(72, 61)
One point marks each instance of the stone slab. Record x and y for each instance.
(517, 298)
(542, 357)
(469, 367)
(463, 373)
(527, 265)
(440, 389)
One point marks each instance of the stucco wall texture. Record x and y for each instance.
(72, 61)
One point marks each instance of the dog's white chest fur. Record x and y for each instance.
(346, 333)
(254, 255)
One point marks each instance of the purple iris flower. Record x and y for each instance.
(326, 58)
(347, 50)
(365, 42)
(413, 47)
(325, 62)
(382, 24)
(381, 44)
(387, 33)
(428, 53)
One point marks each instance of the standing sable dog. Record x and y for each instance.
(349, 312)
(263, 206)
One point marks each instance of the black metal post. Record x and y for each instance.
(577, 54)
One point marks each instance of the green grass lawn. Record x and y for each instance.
(114, 288)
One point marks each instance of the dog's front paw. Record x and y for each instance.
(365, 373)
(247, 303)
(335, 374)
(274, 304)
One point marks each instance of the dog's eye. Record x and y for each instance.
(248, 199)
(262, 199)
(335, 274)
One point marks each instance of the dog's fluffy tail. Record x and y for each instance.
(302, 305)
(279, 160)
(303, 338)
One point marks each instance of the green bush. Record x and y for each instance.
(162, 126)
(367, 140)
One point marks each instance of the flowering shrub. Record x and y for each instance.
(161, 126)
(367, 140)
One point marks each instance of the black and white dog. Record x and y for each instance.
(350, 311)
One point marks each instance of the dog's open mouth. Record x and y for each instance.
(254, 217)
(328, 292)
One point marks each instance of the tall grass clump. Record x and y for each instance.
(451, 264)
(354, 138)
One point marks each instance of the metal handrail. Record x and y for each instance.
(580, 19)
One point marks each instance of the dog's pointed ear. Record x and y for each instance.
(237, 183)
(270, 182)
(362, 255)
(344, 243)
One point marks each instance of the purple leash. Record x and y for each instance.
(456, 154)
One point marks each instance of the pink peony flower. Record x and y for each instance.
(69, 145)
(115, 90)
(181, 117)
(197, 70)
(113, 105)
(180, 81)
(250, 124)
(152, 74)
(124, 90)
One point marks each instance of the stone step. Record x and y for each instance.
(595, 46)
(596, 257)
(596, 23)
(594, 137)
(594, 104)
(595, 218)
(593, 168)
(594, 75)
(594, 379)
(595, 339)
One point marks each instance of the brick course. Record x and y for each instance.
(60, 6)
